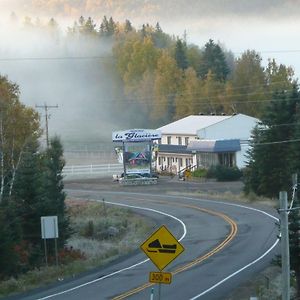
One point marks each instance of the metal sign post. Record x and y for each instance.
(45, 241)
(285, 253)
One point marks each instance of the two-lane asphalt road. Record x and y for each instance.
(225, 243)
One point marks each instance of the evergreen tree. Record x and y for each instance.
(107, 27)
(104, 27)
(81, 21)
(111, 27)
(10, 239)
(53, 198)
(180, 55)
(144, 31)
(271, 160)
(214, 60)
(161, 39)
(158, 28)
(128, 26)
(27, 195)
(88, 29)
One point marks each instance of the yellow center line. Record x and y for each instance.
(219, 247)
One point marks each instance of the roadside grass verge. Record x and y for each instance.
(102, 233)
(229, 196)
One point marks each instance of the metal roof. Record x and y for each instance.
(189, 125)
(215, 146)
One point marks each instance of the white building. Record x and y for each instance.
(203, 141)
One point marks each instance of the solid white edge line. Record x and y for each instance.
(236, 272)
(228, 204)
(248, 265)
(124, 269)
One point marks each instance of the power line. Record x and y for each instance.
(280, 51)
(278, 142)
(196, 102)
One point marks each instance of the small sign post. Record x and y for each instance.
(49, 230)
(162, 248)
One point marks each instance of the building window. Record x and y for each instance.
(186, 140)
(159, 160)
(169, 161)
(207, 160)
(168, 140)
(186, 162)
(179, 140)
(180, 162)
(227, 159)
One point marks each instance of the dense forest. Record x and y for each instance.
(164, 78)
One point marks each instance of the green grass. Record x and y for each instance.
(102, 233)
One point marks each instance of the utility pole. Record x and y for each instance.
(47, 116)
(285, 252)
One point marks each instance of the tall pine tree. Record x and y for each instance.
(214, 61)
(180, 55)
(269, 166)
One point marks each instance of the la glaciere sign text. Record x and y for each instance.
(135, 135)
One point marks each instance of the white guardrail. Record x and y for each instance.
(103, 170)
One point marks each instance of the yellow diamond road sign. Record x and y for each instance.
(162, 247)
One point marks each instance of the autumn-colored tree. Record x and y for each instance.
(167, 80)
(248, 84)
(186, 99)
(211, 98)
(18, 126)
(279, 77)
(195, 58)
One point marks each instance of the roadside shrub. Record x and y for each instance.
(223, 173)
(202, 173)
(211, 172)
(89, 229)
(69, 254)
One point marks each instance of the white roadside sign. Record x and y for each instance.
(49, 227)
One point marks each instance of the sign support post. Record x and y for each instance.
(159, 291)
(55, 240)
(45, 243)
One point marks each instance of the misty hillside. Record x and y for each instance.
(109, 75)
(152, 8)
